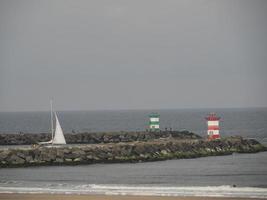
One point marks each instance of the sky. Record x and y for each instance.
(141, 54)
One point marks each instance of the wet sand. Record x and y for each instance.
(104, 197)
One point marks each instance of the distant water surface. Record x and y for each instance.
(249, 122)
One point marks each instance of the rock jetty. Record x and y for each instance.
(133, 151)
(94, 138)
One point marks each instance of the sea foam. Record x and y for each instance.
(143, 190)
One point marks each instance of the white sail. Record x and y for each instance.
(58, 135)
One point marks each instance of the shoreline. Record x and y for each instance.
(149, 192)
(24, 196)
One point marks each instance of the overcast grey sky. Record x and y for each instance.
(137, 54)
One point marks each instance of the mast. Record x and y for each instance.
(51, 115)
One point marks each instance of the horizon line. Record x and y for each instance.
(137, 109)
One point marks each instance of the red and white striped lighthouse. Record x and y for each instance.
(213, 126)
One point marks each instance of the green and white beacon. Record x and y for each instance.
(154, 122)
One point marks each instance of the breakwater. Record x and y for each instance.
(94, 138)
(137, 151)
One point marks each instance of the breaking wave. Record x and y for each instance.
(138, 190)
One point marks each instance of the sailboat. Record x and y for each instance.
(57, 135)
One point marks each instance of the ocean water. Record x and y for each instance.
(209, 176)
(237, 175)
(249, 122)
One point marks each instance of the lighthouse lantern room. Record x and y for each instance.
(154, 122)
(213, 126)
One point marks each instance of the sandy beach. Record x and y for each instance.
(103, 197)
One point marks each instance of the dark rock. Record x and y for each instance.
(156, 149)
(15, 160)
(95, 138)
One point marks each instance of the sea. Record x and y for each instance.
(236, 175)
